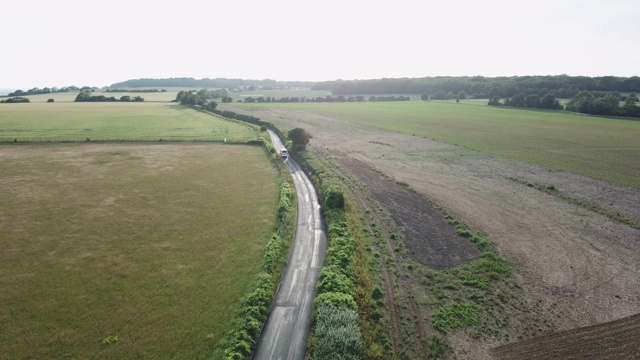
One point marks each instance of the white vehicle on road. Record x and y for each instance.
(284, 153)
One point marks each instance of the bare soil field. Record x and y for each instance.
(427, 235)
(584, 264)
(618, 339)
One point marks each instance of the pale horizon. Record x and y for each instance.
(64, 43)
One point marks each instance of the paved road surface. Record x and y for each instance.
(285, 333)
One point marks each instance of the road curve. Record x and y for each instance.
(285, 333)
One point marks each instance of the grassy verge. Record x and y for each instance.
(346, 286)
(241, 341)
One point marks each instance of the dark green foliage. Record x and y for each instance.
(286, 196)
(602, 104)
(254, 312)
(481, 87)
(46, 90)
(299, 136)
(273, 255)
(334, 198)
(336, 300)
(495, 101)
(85, 96)
(15, 100)
(333, 279)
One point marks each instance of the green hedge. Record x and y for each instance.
(254, 310)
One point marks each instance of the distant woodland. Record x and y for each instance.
(480, 87)
(220, 83)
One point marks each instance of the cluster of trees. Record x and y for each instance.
(441, 95)
(299, 137)
(207, 94)
(86, 96)
(594, 103)
(532, 101)
(609, 104)
(193, 98)
(14, 100)
(38, 91)
(480, 87)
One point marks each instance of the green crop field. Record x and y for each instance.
(115, 121)
(113, 251)
(602, 148)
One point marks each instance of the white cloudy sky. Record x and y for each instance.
(97, 43)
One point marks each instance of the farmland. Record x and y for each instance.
(115, 121)
(614, 340)
(117, 251)
(562, 261)
(601, 148)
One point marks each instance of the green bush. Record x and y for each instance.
(337, 334)
(332, 279)
(273, 254)
(491, 265)
(456, 316)
(336, 300)
(334, 198)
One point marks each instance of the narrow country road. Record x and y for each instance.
(285, 334)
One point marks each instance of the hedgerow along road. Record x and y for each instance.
(285, 333)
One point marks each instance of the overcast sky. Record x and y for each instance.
(97, 43)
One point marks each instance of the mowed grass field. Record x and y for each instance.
(598, 147)
(149, 244)
(115, 121)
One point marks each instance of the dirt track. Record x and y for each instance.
(584, 262)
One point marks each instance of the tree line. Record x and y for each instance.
(202, 98)
(86, 96)
(585, 102)
(327, 98)
(46, 90)
(187, 82)
(480, 87)
(15, 100)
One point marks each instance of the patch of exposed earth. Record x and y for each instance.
(588, 265)
(428, 237)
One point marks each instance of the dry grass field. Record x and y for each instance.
(575, 262)
(113, 251)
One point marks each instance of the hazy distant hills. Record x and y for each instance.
(209, 83)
